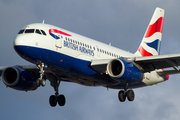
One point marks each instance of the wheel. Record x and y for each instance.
(130, 95)
(43, 82)
(121, 96)
(61, 100)
(52, 100)
(38, 82)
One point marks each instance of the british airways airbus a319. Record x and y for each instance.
(60, 55)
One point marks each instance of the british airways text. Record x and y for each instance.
(78, 48)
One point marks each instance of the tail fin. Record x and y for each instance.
(150, 44)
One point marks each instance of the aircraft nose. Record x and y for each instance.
(21, 40)
(19, 43)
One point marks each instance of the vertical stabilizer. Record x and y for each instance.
(150, 44)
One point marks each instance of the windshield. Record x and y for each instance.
(38, 31)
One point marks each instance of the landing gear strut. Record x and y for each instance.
(123, 94)
(54, 99)
(55, 82)
(41, 81)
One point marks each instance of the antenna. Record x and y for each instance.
(43, 21)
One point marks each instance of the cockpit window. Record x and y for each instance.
(37, 31)
(21, 31)
(29, 31)
(43, 32)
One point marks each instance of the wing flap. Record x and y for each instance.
(167, 72)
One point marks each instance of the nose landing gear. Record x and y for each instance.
(55, 82)
(41, 81)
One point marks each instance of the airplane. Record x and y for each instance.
(60, 55)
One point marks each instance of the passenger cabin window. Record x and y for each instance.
(29, 31)
(37, 31)
(21, 31)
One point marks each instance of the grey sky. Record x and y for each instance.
(121, 22)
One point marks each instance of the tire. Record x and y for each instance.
(61, 100)
(43, 82)
(38, 82)
(52, 100)
(130, 95)
(121, 96)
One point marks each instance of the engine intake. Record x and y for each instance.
(123, 70)
(19, 79)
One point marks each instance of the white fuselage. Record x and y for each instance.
(64, 43)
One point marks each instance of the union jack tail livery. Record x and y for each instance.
(150, 44)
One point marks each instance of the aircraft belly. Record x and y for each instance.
(77, 70)
(130, 86)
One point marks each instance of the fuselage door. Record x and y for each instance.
(59, 41)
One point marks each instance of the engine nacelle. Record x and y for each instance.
(124, 71)
(19, 79)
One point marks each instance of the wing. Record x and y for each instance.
(145, 64)
(151, 63)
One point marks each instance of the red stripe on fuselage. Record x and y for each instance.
(58, 31)
(156, 27)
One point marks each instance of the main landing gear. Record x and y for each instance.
(123, 94)
(53, 99)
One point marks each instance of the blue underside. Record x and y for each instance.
(69, 65)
